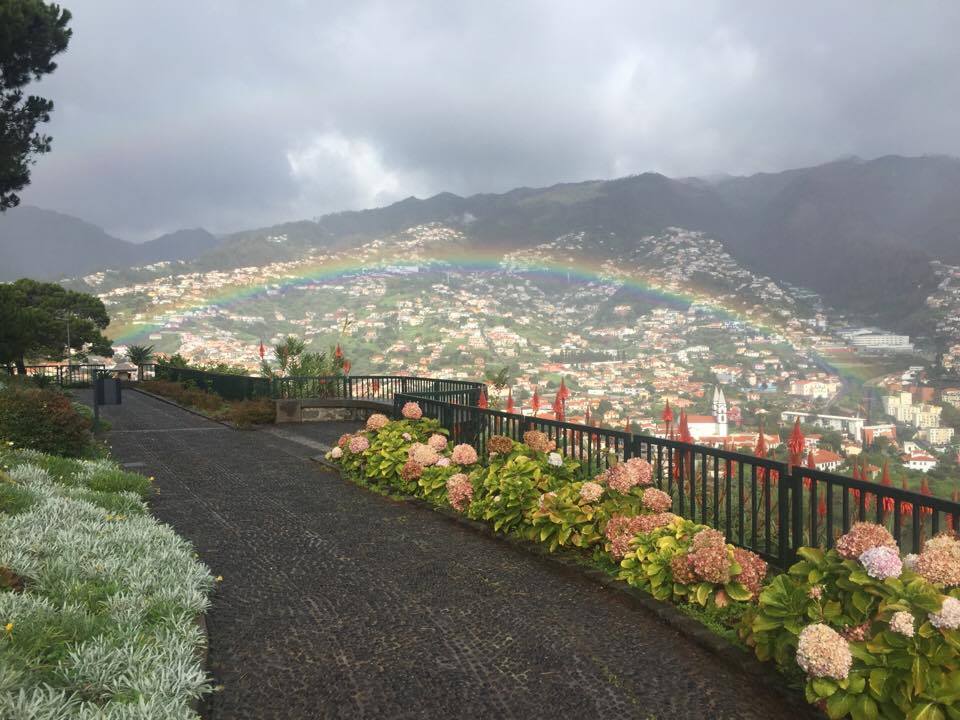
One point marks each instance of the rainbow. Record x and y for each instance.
(338, 267)
(342, 266)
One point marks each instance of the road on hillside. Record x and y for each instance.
(339, 603)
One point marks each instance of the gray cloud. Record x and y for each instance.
(238, 114)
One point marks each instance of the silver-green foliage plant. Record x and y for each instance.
(104, 625)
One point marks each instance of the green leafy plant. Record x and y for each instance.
(44, 420)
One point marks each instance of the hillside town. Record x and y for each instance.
(673, 319)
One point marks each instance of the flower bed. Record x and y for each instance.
(98, 600)
(870, 634)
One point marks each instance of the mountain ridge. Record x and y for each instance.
(860, 232)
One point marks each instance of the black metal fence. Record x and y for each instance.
(382, 388)
(759, 503)
(65, 375)
(230, 387)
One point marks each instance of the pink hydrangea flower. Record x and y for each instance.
(881, 562)
(682, 570)
(640, 470)
(656, 500)
(358, 444)
(336, 453)
(437, 442)
(823, 653)
(902, 622)
(863, 536)
(536, 440)
(753, 570)
(649, 523)
(939, 562)
(708, 537)
(411, 470)
(711, 563)
(948, 618)
(464, 454)
(423, 454)
(443, 462)
(407, 436)
(459, 491)
(377, 421)
(412, 411)
(344, 439)
(619, 478)
(815, 592)
(591, 491)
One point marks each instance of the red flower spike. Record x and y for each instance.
(338, 353)
(535, 402)
(563, 392)
(558, 408)
(925, 490)
(667, 415)
(346, 367)
(262, 350)
(482, 401)
(761, 449)
(796, 444)
(685, 435)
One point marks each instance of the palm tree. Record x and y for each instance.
(140, 355)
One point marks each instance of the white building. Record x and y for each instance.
(924, 462)
(852, 426)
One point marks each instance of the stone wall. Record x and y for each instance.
(307, 410)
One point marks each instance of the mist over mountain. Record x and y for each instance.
(47, 245)
(861, 233)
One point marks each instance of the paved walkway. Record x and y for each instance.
(339, 603)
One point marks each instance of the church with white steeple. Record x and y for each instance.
(713, 426)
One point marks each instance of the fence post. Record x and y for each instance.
(786, 489)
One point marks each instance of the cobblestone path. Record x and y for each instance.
(339, 603)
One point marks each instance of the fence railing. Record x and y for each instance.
(231, 387)
(760, 504)
(381, 388)
(81, 374)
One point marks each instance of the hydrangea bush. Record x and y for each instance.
(873, 634)
(875, 638)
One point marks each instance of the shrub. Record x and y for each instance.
(246, 413)
(44, 420)
(902, 662)
(684, 561)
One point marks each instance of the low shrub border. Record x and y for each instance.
(239, 414)
(867, 633)
(99, 602)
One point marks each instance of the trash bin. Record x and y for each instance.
(107, 391)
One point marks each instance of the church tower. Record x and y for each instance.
(720, 410)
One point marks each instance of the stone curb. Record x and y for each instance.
(690, 628)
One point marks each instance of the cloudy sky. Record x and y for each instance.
(231, 114)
